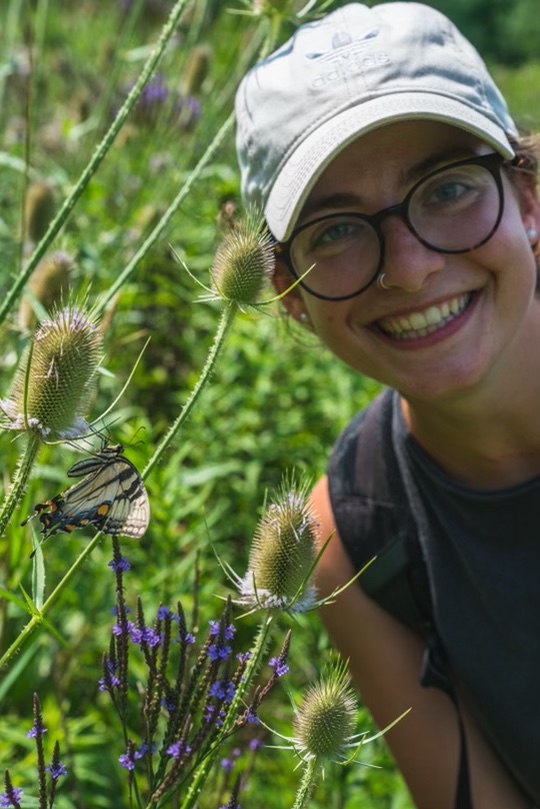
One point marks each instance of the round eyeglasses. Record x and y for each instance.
(454, 209)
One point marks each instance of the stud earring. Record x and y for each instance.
(303, 317)
(532, 234)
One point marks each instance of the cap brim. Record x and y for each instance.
(300, 172)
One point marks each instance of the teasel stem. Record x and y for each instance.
(307, 784)
(201, 773)
(223, 131)
(96, 159)
(227, 318)
(38, 616)
(20, 481)
(167, 216)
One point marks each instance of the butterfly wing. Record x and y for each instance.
(111, 497)
(125, 510)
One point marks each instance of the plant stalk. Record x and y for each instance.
(307, 784)
(20, 481)
(227, 319)
(96, 159)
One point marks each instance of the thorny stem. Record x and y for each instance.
(167, 216)
(227, 319)
(307, 784)
(96, 159)
(19, 482)
(268, 45)
(37, 618)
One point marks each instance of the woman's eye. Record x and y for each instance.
(449, 192)
(331, 236)
(339, 230)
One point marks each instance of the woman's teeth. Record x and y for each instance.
(418, 324)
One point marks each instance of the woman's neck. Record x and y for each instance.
(485, 442)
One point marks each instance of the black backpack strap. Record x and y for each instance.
(373, 518)
(435, 668)
(373, 498)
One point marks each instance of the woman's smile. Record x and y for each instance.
(426, 321)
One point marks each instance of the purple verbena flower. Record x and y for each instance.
(223, 689)
(145, 750)
(185, 637)
(7, 800)
(135, 633)
(215, 628)
(35, 731)
(56, 770)
(218, 651)
(151, 637)
(126, 761)
(121, 564)
(178, 749)
(279, 666)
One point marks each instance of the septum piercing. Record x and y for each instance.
(380, 282)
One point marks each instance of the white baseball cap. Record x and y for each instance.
(345, 75)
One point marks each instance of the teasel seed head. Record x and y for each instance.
(283, 553)
(55, 379)
(48, 284)
(244, 262)
(325, 721)
(39, 207)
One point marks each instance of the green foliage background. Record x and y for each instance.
(277, 400)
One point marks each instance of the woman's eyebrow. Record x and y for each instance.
(406, 177)
(419, 170)
(338, 200)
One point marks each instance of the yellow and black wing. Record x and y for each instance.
(111, 497)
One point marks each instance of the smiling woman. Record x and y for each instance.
(403, 199)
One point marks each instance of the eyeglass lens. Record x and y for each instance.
(454, 210)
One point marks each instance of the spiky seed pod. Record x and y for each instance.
(244, 262)
(48, 284)
(196, 70)
(282, 553)
(39, 206)
(324, 723)
(55, 380)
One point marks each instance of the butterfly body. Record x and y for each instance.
(111, 497)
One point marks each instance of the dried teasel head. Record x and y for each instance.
(55, 380)
(244, 262)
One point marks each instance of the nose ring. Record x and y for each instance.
(380, 282)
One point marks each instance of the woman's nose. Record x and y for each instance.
(408, 263)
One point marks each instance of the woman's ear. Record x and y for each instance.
(529, 203)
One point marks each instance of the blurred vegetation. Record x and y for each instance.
(277, 400)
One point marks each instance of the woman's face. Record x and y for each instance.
(482, 303)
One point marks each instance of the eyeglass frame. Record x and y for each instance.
(493, 162)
